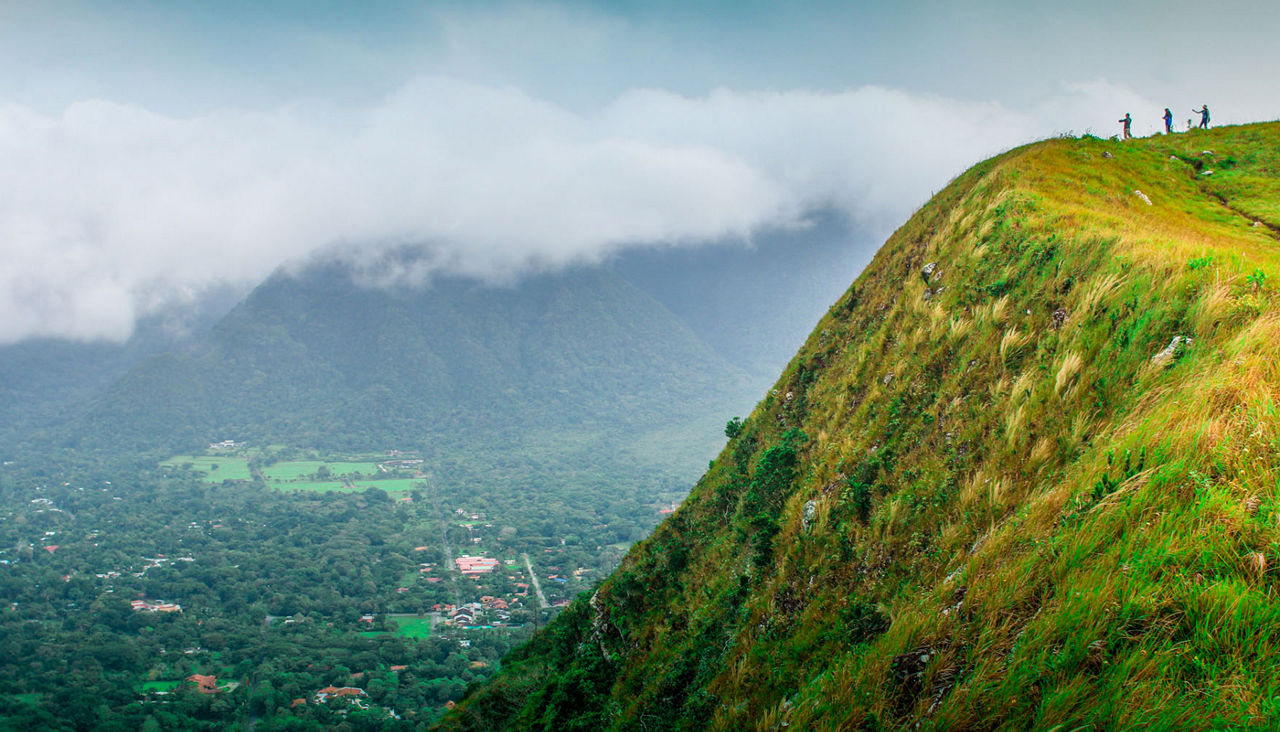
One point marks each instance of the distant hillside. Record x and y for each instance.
(315, 360)
(44, 381)
(1023, 475)
(753, 303)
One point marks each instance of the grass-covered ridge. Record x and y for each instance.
(1023, 474)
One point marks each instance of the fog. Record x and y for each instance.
(123, 191)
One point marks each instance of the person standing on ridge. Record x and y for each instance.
(1168, 121)
(1204, 116)
(1127, 120)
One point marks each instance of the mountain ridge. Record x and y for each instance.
(1020, 475)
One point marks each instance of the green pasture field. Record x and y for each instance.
(392, 485)
(161, 685)
(291, 470)
(214, 469)
(295, 469)
(413, 627)
(351, 468)
(292, 474)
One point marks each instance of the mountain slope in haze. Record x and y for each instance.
(44, 380)
(753, 303)
(315, 359)
(1022, 475)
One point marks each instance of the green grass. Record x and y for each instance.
(393, 485)
(213, 469)
(161, 685)
(413, 627)
(290, 470)
(293, 470)
(992, 473)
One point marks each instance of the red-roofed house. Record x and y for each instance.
(469, 565)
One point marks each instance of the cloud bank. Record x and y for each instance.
(110, 211)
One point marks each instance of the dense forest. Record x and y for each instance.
(282, 594)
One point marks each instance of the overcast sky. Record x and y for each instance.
(150, 150)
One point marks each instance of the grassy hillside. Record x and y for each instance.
(1022, 475)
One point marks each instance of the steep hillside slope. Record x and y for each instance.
(315, 359)
(1023, 474)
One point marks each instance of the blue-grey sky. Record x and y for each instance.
(151, 149)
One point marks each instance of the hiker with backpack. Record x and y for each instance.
(1168, 121)
(1127, 120)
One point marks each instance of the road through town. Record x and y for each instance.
(537, 586)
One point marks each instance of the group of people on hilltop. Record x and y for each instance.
(1127, 121)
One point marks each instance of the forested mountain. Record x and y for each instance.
(317, 359)
(320, 357)
(43, 381)
(1022, 475)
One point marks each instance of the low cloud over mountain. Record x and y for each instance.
(110, 210)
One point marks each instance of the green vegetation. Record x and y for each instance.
(212, 468)
(294, 475)
(273, 614)
(578, 370)
(283, 471)
(1200, 262)
(1021, 476)
(282, 591)
(392, 484)
(413, 627)
(320, 486)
